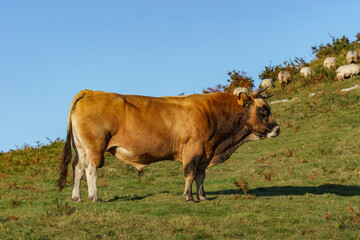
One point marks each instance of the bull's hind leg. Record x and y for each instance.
(78, 172)
(199, 179)
(90, 144)
(95, 159)
(91, 176)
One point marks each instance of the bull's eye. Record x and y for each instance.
(262, 113)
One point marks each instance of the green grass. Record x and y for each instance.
(304, 184)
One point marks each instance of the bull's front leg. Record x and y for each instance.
(199, 179)
(192, 156)
(189, 173)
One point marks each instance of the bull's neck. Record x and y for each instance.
(231, 118)
(232, 129)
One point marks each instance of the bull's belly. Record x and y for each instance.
(138, 160)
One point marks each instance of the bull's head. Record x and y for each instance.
(260, 120)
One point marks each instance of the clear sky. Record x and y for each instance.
(50, 50)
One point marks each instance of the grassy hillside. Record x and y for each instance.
(304, 184)
(337, 48)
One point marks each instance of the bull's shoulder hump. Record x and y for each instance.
(223, 97)
(192, 97)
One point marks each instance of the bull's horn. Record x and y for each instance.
(267, 96)
(256, 93)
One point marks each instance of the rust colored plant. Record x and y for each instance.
(238, 79)
(242, 184)
(355, 214)
(217, 88)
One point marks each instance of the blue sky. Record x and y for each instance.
(50, 50)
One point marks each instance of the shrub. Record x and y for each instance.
(217, 88)
(320, 74)
(292, 66)
(334, 48)
(358, 37)
(237, 79)
(270, 72)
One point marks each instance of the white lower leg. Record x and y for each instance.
(78, 173)
(91, 176)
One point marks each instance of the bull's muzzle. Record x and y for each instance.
(274, 133)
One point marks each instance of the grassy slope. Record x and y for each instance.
(300, 186)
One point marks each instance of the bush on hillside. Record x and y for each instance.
(292, 66)
(237, 79)
(320, 74)
(217, 88)
(332, 49)
(270, 72)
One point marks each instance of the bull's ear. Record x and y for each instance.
(244, 99)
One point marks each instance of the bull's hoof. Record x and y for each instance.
(202, 198)
(76, 199)
(94, 199)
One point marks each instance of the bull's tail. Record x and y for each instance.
(66, 154)
(65, 160)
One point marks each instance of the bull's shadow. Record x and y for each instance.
(128, 198)
(133, 198)
(340, 190)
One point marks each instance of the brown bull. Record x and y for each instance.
(197, 130)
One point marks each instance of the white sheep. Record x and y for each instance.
(239, 90)
(346, 71)
(284, 77)
(352, 56)
(306, 72)
(330, 63)
(267, 82)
